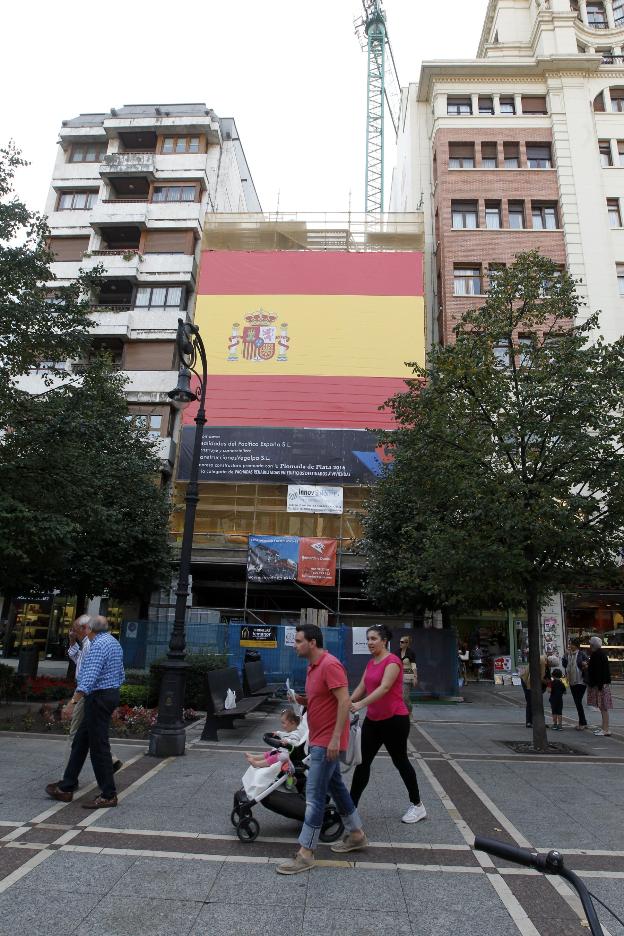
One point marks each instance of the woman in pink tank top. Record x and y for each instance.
(387, 720)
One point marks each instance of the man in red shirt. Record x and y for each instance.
(327, 700)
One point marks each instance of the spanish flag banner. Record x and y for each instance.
(309, 338)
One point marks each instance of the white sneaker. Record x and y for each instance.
(415, 813)
(602, 734)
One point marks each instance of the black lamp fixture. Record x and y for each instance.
(168, 736)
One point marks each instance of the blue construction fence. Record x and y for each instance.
(435, 651)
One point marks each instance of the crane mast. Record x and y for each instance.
(383, 89)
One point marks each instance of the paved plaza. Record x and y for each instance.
(167, 861)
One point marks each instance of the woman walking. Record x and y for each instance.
(599, 683)
(576, 679)
(387, 720)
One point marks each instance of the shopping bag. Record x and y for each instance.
(353, 755)
(230, 699)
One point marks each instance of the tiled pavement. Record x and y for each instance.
(166, 859)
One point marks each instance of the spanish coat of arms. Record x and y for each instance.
(259, 339)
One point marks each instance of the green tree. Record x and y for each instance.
(81, 508)
(508, 479)
(37, 323)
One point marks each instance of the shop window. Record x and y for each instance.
(464, 214)
(461, 155)
(467, 281)
(489, 155)
(457, 106)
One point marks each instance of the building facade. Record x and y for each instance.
(522, 148)
(130, 191)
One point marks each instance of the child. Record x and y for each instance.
(557, 690)
(290, 736)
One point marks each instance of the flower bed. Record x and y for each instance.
(128, 721)
(44, 688)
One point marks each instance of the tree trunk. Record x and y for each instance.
(540, 740)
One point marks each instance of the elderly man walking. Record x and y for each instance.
(327, 699)
(101, 675)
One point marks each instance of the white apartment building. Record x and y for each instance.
(521, 147)
(130, 190)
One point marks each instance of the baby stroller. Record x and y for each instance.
(284, 796)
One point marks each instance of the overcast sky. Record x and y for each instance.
(290, 72)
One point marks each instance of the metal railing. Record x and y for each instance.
(124, 201)
(111, 307)
(613, 59)
(117, 251)
(81, 367)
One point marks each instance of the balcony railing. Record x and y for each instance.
(598, 24)
(111, 307)
(613, 59)
(124, 201)
(81, 367)
(120, 251)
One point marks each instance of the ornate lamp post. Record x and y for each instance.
(168, 737)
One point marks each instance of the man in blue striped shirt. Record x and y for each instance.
(100, 677)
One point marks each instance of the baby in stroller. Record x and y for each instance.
(277, 779)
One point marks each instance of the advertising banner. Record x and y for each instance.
(313, 498)
(258, 636)
(257, 454)
(309, 560)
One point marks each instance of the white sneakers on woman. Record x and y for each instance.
(415, 813)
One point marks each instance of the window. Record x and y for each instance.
(613, 207)
(465, 214)
(486, 104)
(180, 144)
(150, 424)
(539, 156)
(534, 105)
(507, 105)
(596, 15)
(501, 353)
(458, 105)
(493, 215)
(605, 153)
(618, 12)
(617, 99)
(159, 297)
(173, 193)
(620, 277)
(73, 201)
(87, 152)
(467, 281)
(525, 345)
(544, 216)
(489, 155)
(620, 147)
(494, 272)
(516, 215)
(461, 155)
(511, 152)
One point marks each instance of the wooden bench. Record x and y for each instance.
(217, 716)
(254, 680)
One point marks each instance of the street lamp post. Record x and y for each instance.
(168, 737)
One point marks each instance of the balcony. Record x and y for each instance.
(111, 321)
(166, 450)
(150, 386)
(613, 59)
(130, 211)
(140, 163)
(123, 263)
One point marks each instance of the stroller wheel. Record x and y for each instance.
(248, 830)
(332, 827)
(235, 818)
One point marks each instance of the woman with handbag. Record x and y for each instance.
(387, 720)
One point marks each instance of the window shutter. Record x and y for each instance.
(533, 105)
(461, 150)
(68, 248)
(180, 242)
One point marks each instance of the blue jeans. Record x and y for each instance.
(324, 777)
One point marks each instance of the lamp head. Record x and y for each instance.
(183, 392)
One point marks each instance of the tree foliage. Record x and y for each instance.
(508, 480)
(80, 505)
(35, 325)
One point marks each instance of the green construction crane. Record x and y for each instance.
(383, 90)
